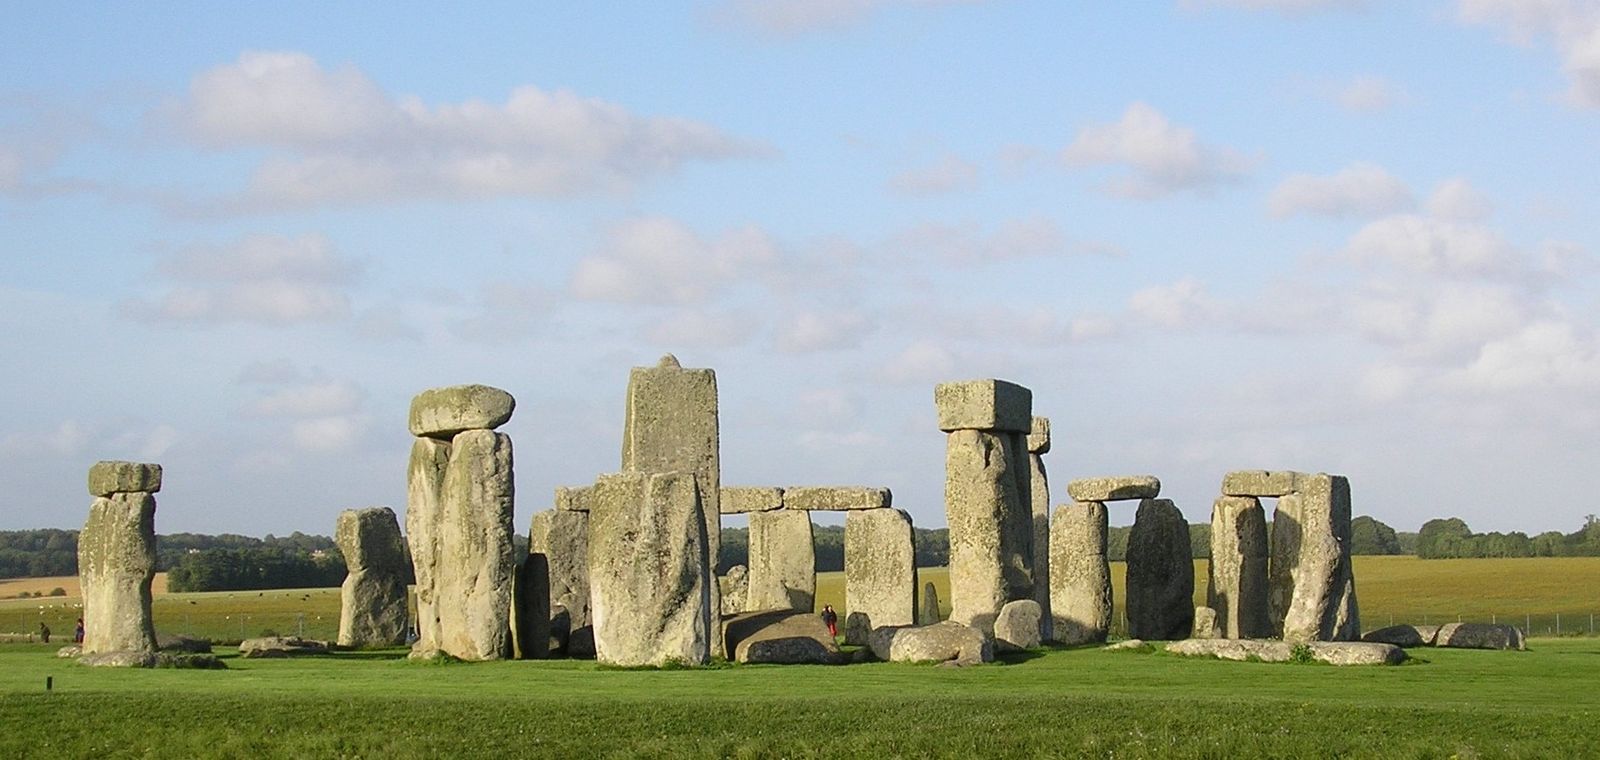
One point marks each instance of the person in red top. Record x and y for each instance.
(832, 619)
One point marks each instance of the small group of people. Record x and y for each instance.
(77, 633)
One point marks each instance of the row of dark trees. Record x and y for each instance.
(1451, 537)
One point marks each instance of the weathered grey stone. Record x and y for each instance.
(424, 511)
(1480, 636)
(1332, 653)
(783, 562)
(735, 589)
(993, 405)
(1125, 645)
(530, 608)
(138, 658)
(474, 573)
(1120, 488)
(880, 572)
(928, 605)
(572, 499)
(71, 651)
(116, 562)
(372, 601)
(786, 637)
(1039, 436)
(167, 642)
(443, 412)
(1313, 525)
(1160, 573)
(941, 642)
(738, 500)
(1017, 627)
(281, 646)
(835, 498)
(1205, 624)
(109, 477)
(1402, 636)
(1429, 634)
(1039, 500)
(649, 573)
(562, 538)
(1237, 586)
(991, 525)
(1080, 577)
(671, 425)
(1261, 482)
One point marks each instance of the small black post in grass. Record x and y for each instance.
(49, 682)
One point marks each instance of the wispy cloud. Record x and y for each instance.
(263, 279)
(1161, 157)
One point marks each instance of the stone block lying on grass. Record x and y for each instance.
(281, 646)
(787, 637)
(1404, 635)
(1480, 636)
(941, 642)
(150, 659)
(1328, 652)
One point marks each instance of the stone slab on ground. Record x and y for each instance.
(1017, 627)
(1403, 635)
(1328, 652)
(1480, 636)
(281, 646)
(786, 637)
(941, 642)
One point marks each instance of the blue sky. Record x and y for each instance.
(1355, 237)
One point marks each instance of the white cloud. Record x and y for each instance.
(795, 17)
(699, 328)
(922, 362)
(1545, 354)
(822, 330)
(337, 137)
(1572, 25)
(659, 260)
(1180, 304)
(1163, 157)
(322, 434)
(969, 243)
(1361, 189)
(951, 173)
(1428, 245)
(506, 312)
(1457, 200)
(1368, 94)
(322, 414)
(317, 398)
(264, 279)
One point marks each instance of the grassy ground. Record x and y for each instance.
(1398, 589)
(1083, 702)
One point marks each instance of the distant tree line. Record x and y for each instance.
(1450, 538)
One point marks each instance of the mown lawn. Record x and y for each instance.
(1083, 702)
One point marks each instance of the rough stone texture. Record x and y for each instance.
(109, 477)
(1160, 573)
(137, 658)
(1205, 624)
(1125, 645)
(562, 537)
(1080, 577)
(571, 499)
(880, 572)
(1039, 436)
(991, 525)
(1261, 483)
(928, 605)
(649, 572)
(1118, 488)
(116, 562)
(1311, 537)
(281, 646)
(1332, 653)
(372, 601)
(1237, 588)
(179, 643)
(735, 589)
(993, 405)
(738, 500)
(530, 608)
(1017, 628)
(1480, 636)
(671, 425)
(941, 642)
(1402, 635)
(424, 487)
(836, 498)
(473, 575)
(783, 562)
(787, 637)
(1039, 500)
(443, 412)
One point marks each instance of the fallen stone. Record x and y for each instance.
(738, 500)
(1080, 576)
(1237, 585)
(994, 405)
(109, 477)
(372, 600)
(941, 642)
(836, 498)
(136, 658)
(570, 499)
(1399, 635)
(1039, 436)
(1160, 573)
(1125, 645)
(1331, 653)
(69, 651)
(443, 412)
(783, 562)
(1124, 488)
(880, 572)
(787, 637)
(1017, 627)
(1205, 624)
(1480, 636)
(1261, 483)
(928, 605)
(281, 646)
(167, 642)
(991, 525)
(116, 563)
(735, 588)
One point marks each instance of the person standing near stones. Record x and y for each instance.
(831, 619)
(44, 632)
(77, 633)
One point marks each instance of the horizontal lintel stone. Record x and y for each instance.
(984, 405)
(109, 477)
(835, 498)
(1123, 488)
(443, 412)
(573, 498)
(737, 500)
(1261, 482)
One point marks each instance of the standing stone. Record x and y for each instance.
(372, 601)
(1160, 573)
(1039, 488)
(562, 538)
(1017, 627)
(1205, 624)
(670, 425)
(424, 509)
(1080, 578)
(783, 562)
(1237, 588)
(928, 605)
(880, 572)
(530, 608)
(117, 560)
(735, 589)
(1322, 602)
(649, 574)
(474, 575)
